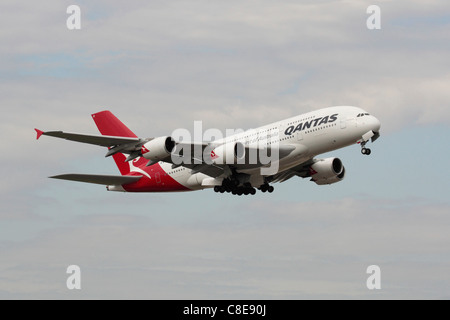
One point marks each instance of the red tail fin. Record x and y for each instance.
(109, 125)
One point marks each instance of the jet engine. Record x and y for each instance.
(228, 153)
(327, 171)
(158, 148)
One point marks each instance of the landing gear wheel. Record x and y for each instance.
(366, 151)
(265, 187)
(270, 189)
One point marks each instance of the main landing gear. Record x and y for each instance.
(242, 190)
(266, 188)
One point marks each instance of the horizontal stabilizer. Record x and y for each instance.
(98, 179)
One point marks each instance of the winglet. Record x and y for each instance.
(39, 133)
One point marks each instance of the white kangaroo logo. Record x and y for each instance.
(136, 169)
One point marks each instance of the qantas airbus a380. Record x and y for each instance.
(238, 163)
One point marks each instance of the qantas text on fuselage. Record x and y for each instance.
(239, 163)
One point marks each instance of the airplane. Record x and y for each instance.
(234, 164)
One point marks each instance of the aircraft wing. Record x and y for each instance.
(132, 146)
(114, 143)
(98, 179)
(104, 141)
(215, 170)
(301, 170)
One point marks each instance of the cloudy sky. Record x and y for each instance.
(161, 65)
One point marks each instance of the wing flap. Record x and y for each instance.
(98, 179)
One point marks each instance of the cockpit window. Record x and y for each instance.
(362, 115)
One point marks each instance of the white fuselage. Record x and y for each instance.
(311, 134)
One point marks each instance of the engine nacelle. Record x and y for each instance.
(158, 148)
(228, 153)
(327, 171)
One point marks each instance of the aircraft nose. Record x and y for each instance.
(376, 124)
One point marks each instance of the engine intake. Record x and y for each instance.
(327, 171)
(228, 153)
(158, 148)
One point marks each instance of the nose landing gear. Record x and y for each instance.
(364, 150)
